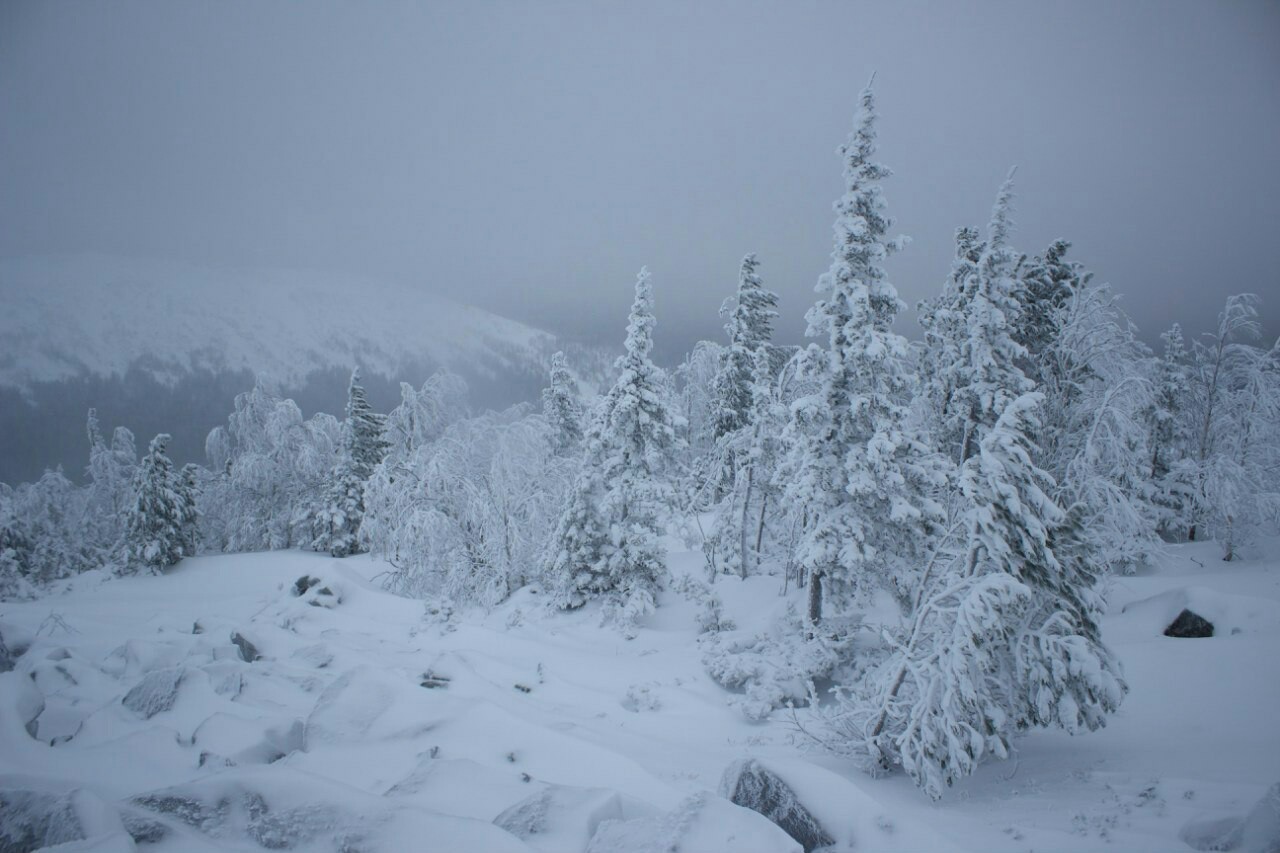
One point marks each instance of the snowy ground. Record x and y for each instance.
(330, 741)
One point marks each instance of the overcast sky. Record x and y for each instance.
(530, 157)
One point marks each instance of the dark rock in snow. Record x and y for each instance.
(1189, 624)
(432, 681)
(248, 651)
(32, 820)
(304, 583)
(749, 784)
(6, 657)
(155, 693)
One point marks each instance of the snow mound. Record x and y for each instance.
(1257, 832)
(562, 819)
(365, 704)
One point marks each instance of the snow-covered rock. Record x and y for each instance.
(749, 784)
(36, 814)
(155, 693)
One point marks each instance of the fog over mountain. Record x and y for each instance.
(529, 158)
(165, 347)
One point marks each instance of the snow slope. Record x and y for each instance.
(373, 722)
(67, 316)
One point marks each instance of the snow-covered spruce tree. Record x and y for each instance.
(561, 406)
(336, 520)
(607, 542)
(944, 324)
(861, 476)
(750, 327)
(1002, 638)
(366, 429)
(1046, 284)
(1170, 433)
(189, 489)
(986, 375)
(155, 525)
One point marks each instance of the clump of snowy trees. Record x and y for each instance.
(979, 483)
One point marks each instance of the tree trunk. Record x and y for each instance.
(742, 532)
(815, 597)
(764, 502)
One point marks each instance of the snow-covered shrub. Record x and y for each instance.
(774, 668)
(267, 470)
(469, 514)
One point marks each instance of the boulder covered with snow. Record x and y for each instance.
(563, 818)
(36, 814)
(30, 820)
(278, 808)
(155, 693)
(703, 822)
(1261, 830)
(749, 784)
(241, 740)
(1256, 832)
(1189, 624)
(248, 650)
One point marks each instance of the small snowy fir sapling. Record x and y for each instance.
(750, 327)
(987, 375)
(337, 519)
(155, 528)
(561, 407)
(606, 543)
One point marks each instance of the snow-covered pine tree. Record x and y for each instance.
(862, 476)
(366, 438)
(561, 407)
(943, 321)
(336, 521)
(987, 375)
(154, 526)
(1002, 638)
(1170, 433)
(607, 541)
(750, 327)
(188, 485)
(1046, 284)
